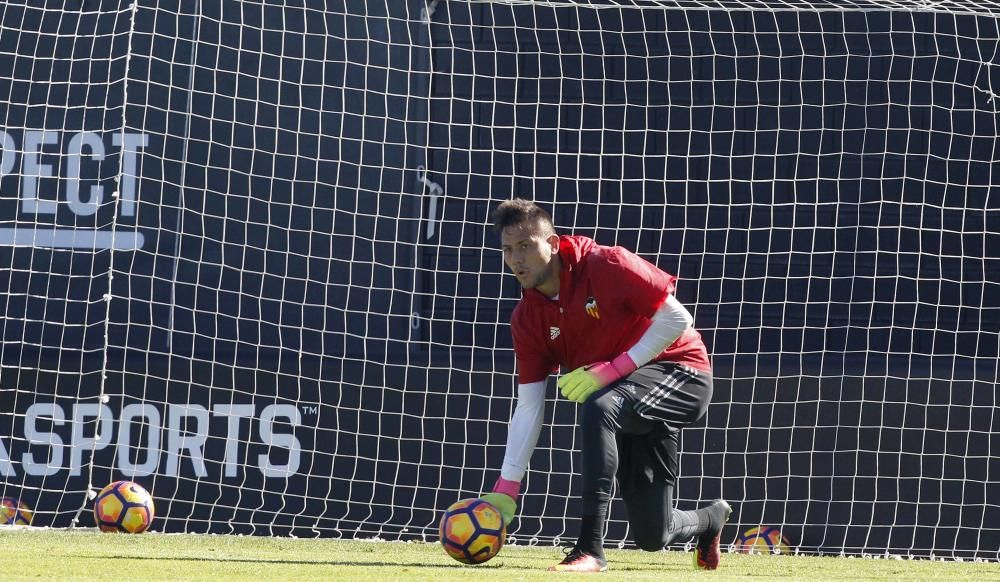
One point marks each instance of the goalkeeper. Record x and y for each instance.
(635, 365)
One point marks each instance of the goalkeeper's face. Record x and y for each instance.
(531, 251)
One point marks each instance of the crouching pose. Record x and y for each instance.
(634, 363)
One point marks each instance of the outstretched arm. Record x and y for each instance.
(522, 433)
(522, 436)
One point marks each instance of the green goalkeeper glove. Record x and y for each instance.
(504, 498)
(579, 384)
(504, 503)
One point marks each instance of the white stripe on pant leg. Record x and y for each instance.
(670, 382)
(663, 389)
(655, 395)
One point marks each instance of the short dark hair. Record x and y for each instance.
(516, 211)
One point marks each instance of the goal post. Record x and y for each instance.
(246, 257)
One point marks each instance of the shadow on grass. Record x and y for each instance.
(286, 562)
(505, 562)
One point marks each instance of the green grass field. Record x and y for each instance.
(90, 555)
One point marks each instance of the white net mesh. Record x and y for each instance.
(247, 259)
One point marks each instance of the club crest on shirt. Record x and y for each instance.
(591, 307)
(553, 332)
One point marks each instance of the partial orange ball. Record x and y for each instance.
(14, 512)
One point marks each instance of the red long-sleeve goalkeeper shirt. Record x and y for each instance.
(607, 296)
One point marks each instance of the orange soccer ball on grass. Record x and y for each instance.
(124, 507)
(472, 531)
(765, 539)
(14, 512)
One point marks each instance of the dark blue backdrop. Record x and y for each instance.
(820, 181)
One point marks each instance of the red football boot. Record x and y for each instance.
(579, 561)
(707, 553)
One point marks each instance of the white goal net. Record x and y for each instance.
(245, 256)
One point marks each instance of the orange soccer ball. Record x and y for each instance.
(125, 507)
(14, 512)
(765, 539)
(472, 531)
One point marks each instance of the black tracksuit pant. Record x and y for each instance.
(630, 431)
